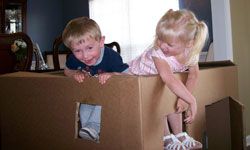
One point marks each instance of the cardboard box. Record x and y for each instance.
(38, 110)
(224, 124)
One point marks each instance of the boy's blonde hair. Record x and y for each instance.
(79, 27)
(183, 26)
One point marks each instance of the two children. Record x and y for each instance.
(178, 41)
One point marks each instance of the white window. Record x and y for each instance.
(129, 22)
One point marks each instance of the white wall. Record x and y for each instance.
(222, 34)
(240, 17)
(231, 32)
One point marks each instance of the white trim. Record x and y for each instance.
(222, 33)
(203, 56)
(248, 140)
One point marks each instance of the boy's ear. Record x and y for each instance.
(102, 41)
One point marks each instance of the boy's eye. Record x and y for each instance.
(77, 51)
(89, 48)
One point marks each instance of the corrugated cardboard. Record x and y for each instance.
(224, 124)
(38, 110)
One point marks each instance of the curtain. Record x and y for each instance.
(129, 22)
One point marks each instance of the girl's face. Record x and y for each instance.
(87, 50)
(174, 48)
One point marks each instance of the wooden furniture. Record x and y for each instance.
(57, 50)
(58, 46)
(15, 61)
(114, 45)
(13, 16)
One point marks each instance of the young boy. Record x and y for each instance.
(90, 58)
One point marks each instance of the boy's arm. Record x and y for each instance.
(78, 75)
(68, 72)
(105, 76)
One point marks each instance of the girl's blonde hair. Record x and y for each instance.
(79, 27)
(183, 26)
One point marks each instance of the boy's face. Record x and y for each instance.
(87, 50)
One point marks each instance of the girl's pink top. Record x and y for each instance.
(144, 64)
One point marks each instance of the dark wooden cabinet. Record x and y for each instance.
(13, 16)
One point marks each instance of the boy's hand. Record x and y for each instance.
(104, 77)
(190, 115)
(79, 76)
(181, 106)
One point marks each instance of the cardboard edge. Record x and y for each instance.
(221, 63)
(229, 97)
(77, 118)
(141, 114)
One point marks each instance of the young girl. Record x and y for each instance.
(178, 41)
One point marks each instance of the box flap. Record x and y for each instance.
(212, 64)
(225, 99)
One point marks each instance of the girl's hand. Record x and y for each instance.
(104, 77)
(181, 106)
(79, 76)
(190, 115)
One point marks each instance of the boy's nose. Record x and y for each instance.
(84, 55)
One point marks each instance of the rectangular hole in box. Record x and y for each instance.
(88, 122)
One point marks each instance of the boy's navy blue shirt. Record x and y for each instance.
(111, 62)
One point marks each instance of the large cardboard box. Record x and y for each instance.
(224, 124)
(38, 111)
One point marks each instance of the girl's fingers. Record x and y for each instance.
(179, 110)
(188, 120)
(189, 117)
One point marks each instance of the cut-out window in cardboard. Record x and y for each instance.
(88, 121)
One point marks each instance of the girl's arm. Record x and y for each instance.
(190, 84)
(193, 74)
(176, 86)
